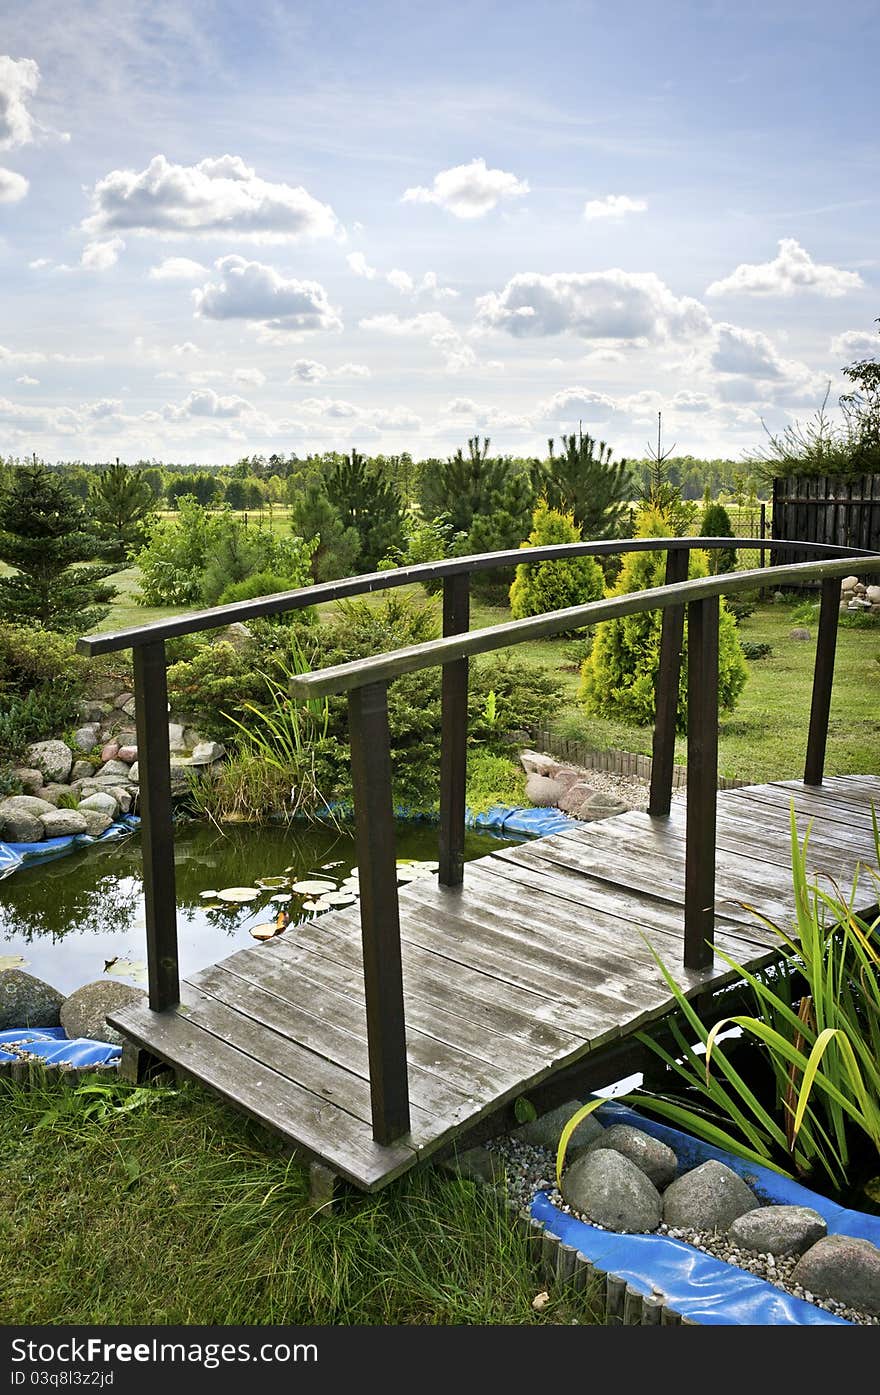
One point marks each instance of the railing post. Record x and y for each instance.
(702, 783)
(453, 738)
(823, 677)
(666, 691)
(380, 914)
(157, 831)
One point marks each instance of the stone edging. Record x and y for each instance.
(614, 760)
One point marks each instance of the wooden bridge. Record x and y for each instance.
(376, 1037)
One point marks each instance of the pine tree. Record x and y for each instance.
(45, 536)
(585, 482)
(369, 504)
(554, 585)
(313, 516)
(122, 504)
(618, 677)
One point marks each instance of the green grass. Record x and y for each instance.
(183, 1212)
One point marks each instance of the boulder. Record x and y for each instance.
(21, 827)
(26, 1001)
(545, 1131)
(235, 634)
(176, 742)
(53, 758)
(81, 770)
(96, 822)
(25, 804)
(656, 1159)
(53, 794)
(128, 754)
(842, 1267)
(123, 796)
(135, 773)
(849, 583)
(93, 711)
(110, 750)
(583, 802)
(709, 1197)
(30, 780)
(799, 633)
(534, 763)
(543, 791)
(86, 737)
(207, 751)
(101, 802)
(62, 823)
(113, 767)
(191, 738)
(872, 593)
(477, 1165)
(778, 1230)
(85, 1011)
(612, 1191)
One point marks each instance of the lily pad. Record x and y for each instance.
(327, 866)
(127, 968)
(281, 898)
(238, 893)
(339, 898)
(315, 887)
(312, 906)
(269, 883)
(263, 932)
(209, 895)
(11, 961)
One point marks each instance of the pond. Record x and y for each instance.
(81, 917)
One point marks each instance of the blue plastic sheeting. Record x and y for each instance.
(696, 1285)
(57, 1049)
(534, 823)
(15, 855)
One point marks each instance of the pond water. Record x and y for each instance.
(81, 917)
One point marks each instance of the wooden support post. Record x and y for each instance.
(322, 1184)
(823, 677)
(666, 692)
(702, 783)
(157, 829)
(380, 914)
(453, 747)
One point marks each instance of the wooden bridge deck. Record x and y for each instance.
(537, 961)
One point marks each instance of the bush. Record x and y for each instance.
(753, 650)
(172, 563)
(39, 715)
(554, 585)
(494, 779)
(619, 676)
(524, 697)
(715, 523)
(31, 657)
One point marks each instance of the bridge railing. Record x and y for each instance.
(366, 682)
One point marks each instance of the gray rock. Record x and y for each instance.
(476, 1165)
(192, 738)
(121, 699)
(128, 753)
(656, 1159)
(85, 1011)
(123, 796)
(545, 1131)
(21, 827)
(543, 791)
(609, 1189)
(134, 772)
(61, 823)
(81, 770)
(235, 634)
(116, 768)
(709, 1197)
(207, 751)
(25, 804)
(583, 802)
(778, 1230)
(53, 758)
(128, 707)
(842, 1267)
(85, 738)
(30, 780)
(175, 737)
(93, 711)
(26, 1001)
(799, 633)
(872, 593)
(101, 802)
(53, 794)
(849, 583)
(179, 778)
(96, 822)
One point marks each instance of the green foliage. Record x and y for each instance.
(122, 504)
(424, 540)
(336, 546)
(216, 679)
(715, 523)
(261, 584)
(32, 658)
(368, 503)
(202, 485)
(494, 779)
(172, 563)
(752, 649)
(524, 697)
(585, 482)
(619, 676)
(35, 716)
(237, 554)
(554, 585)
(46, 537)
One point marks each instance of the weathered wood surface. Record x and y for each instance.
(545, 954)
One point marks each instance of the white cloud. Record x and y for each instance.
(469, 191)
(686, 401)
(429, 322)
(613, 206)
(400, 280)
(185, 349)
(352, 370)
(428, 286)
(249, 377)
(359, 265)
(328, 407)
(616, 305)
(855, 344)
(28, 382)
(100, 256)
(19, 79)
(178, 269)
(13, 187)
(258, 293)
(204, 402)
(747, 367)
(575, 402)
(16, 356)
(792, 271)
(40, 263)
(221, 196)
(307, 370)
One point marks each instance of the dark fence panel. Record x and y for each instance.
(826, 509)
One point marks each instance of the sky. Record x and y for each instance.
(230, 228)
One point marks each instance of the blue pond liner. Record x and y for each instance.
(57, 1049)
(696, 1285)
(15, 855)
(534, 823)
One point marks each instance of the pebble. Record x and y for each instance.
(529, 1170)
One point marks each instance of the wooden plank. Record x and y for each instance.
(271, 1098)
(808, 803)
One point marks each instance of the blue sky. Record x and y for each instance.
(230, 227)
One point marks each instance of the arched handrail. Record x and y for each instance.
(366, 682)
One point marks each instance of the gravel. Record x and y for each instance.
(529, 1170)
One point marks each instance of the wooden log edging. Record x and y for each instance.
(36, 1075)
(614, 760)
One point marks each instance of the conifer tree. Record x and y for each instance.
(367, 503)
(554, 585)
(45, 535)
(122, 504)
(585, 482)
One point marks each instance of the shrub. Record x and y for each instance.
(553, 585)
(494, 779)
(36, 716)
(172, 563)
(524, 697)
(752, 649)
(32, 657)
(619, 676)
(715, 523)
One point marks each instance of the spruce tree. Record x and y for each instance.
(716, 523)
(45, 535)
(367, 503)
(122, 504)
(585, 482)
(313, 516)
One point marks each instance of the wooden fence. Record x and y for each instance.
(826, 509)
